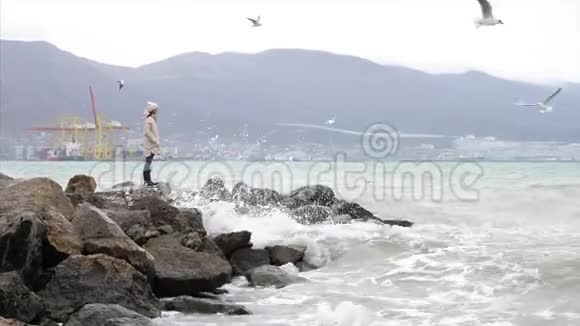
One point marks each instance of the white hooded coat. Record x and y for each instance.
(150, 131)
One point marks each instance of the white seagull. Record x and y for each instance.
(487, 15)
(121, 83)
(255, 22)
(331, 121)
(543, 107)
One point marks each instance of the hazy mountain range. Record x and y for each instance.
(226, 93)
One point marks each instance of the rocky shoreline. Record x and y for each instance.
(120, 257)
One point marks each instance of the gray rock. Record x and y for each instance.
(30, 239)
(80, 187)
(245, 259)
(182, 271)
(127, 185)
(21, 245)
(193, 241)
(17, 301)
(357, 212)
(312, 214)
(100, 235)
(269, 275)
(215, 189)
(126, 218)
(282, 255)
(36, 194)
(230, 242)
(80, 280)
(255, 196)
(106, 314)
(191, 305)
(310, 195)
(5, 180)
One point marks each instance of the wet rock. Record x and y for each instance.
(255, 196)
(269, 275)
(230, 242)
(80, 280)
(100, 235)
(312, 214)
(21, 244)
(35, 194)
(17, 301)
(245, 259)
(106, 314)
(357, 212)
(282, 255)
(182, 271)
(31, 241)
(215, 189)
(310, 195)
(191, 305)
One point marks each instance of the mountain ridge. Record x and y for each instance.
(228, 90)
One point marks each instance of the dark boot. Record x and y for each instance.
(147, 178)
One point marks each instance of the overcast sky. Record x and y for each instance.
(539, 41)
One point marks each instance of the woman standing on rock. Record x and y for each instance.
(151, 142)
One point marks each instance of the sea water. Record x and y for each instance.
(493, 244)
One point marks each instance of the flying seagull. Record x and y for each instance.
(121, 83)
(487, 15)
(255, 22)
(543, 107)
(331, 121)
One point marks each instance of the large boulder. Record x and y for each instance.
(191, 305)
(255, 196)
(162, 213)
(36, 194)
(97, 314)
(245, 259)
(282, 255)
(269, 275)
(215, 189)
(100, 235)
(17, 301)
(310, 195)
(230, 242)
(80, 183)
(182, 271)
(80, 280)
(31, 240)
(312, 214)
(21, 244)
(135, 223)
(80, 187)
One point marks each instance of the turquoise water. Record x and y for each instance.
(494, 243)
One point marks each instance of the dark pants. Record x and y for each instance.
(148, 161)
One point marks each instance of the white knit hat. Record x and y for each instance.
(152, 106)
